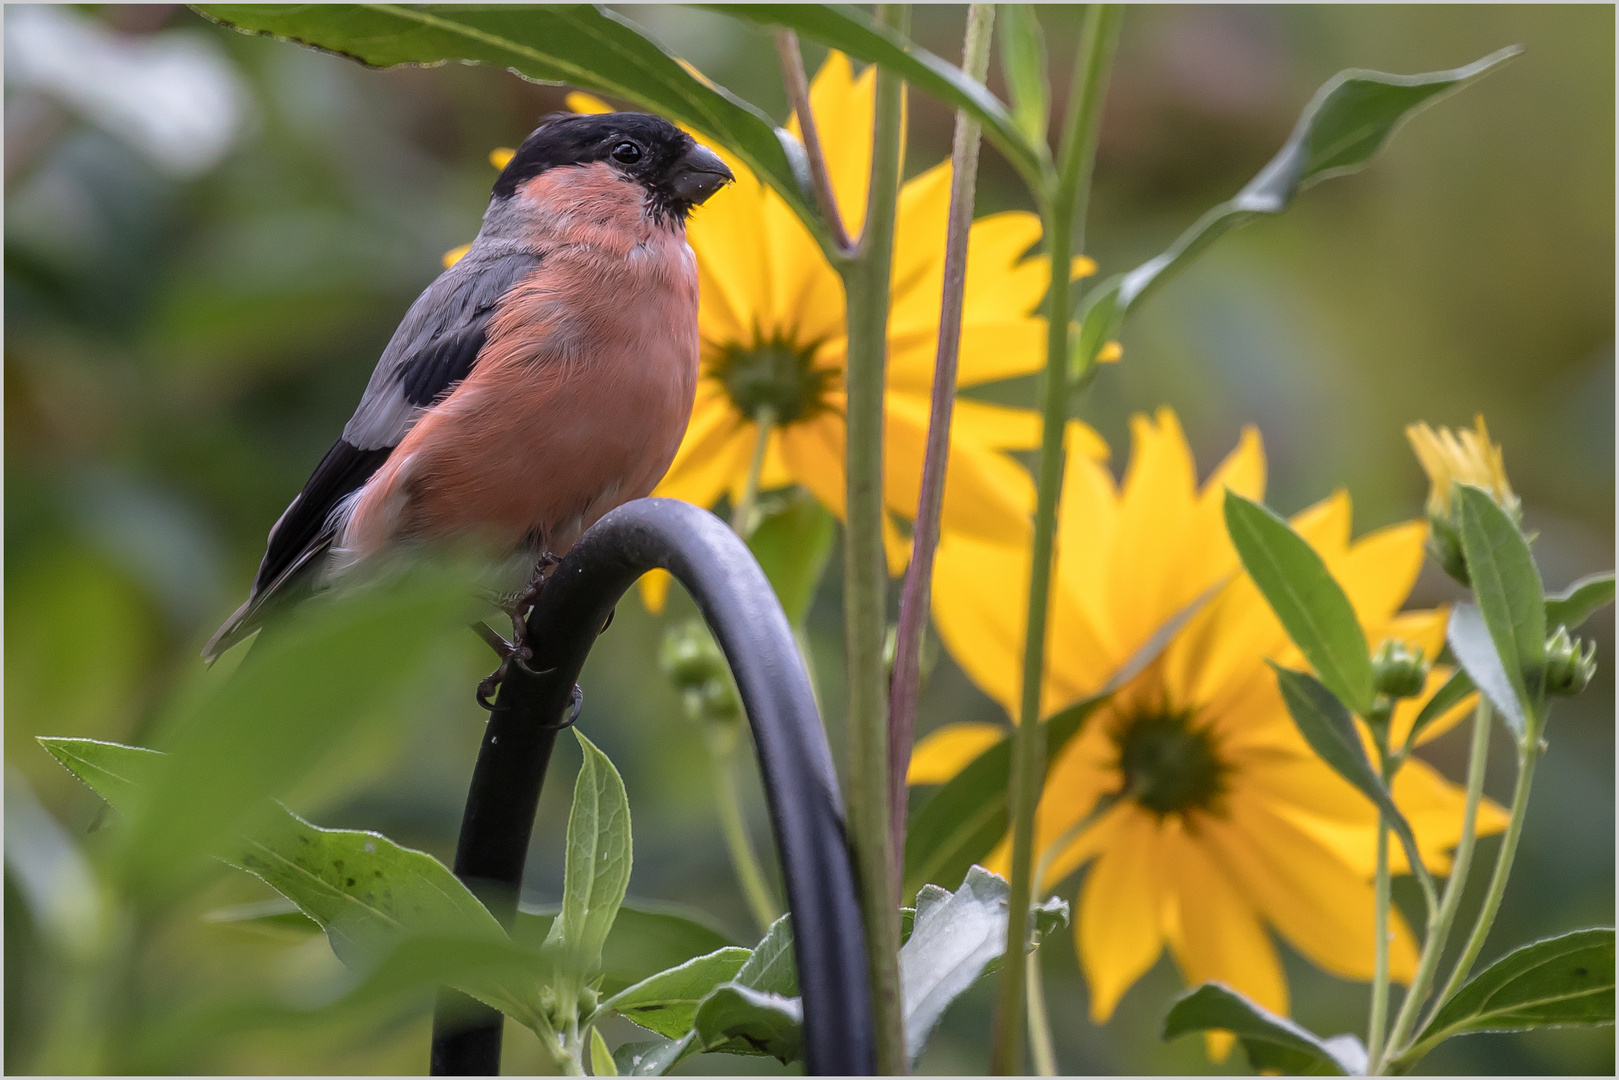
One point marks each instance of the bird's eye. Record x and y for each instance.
(627, 152)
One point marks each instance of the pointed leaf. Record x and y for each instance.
(667, 1002)
(851, 30)
(1579, 601)
(1339, 132)
(1023, 62)
(655, 1057)
(1506, 585)
(112, 770)
(1457, 687)
(1565, 981)
(585, 45)
(1329, 729)
(1309, 603)
(597, 871)
(601, 1058)
(1469, 639)
(1272, 1042)
(315, 676)
(952, 942)
(738, 1019)
(772, 967)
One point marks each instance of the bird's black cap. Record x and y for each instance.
(677, 171)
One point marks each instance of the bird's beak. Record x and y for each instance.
(698, 174)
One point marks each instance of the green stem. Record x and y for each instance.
(1439, 923)
(1528, 754)
(1040, 1044)
(1380, 965)
(743, 517)
(904, 686)
(866, 280)
(750, 874)
(1064, 212)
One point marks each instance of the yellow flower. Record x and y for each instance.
(1467, 457)
(1230, 824)
(771, 319)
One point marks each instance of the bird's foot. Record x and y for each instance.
(510, 653)
(518, 605)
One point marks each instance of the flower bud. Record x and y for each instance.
(1397, 671)
(1449, 458)
(1569, 664)
(690, 657)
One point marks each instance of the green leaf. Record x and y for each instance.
(772, 967)
(738, 1019)
(1340, 131)
(278, 917)
(370, 895)
(1580, 601)
(588, 46)
(1023, 62)
(601, 1059)
(331, 665)
(597, 870)
(646, 938)
(112, 770)
(1506, 585)
(792, 543)
(1457, 687)
(1565, 981)
(957, 936)
(654, 1057)
(1470, 640)
(1273, 1043)
(851, 30)
(1329, 729)
(1312, 608)
(667, 1002)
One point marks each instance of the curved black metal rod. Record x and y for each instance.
(800, 784)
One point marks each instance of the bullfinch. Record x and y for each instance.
(544, 379)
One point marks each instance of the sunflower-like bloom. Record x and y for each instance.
(771, 319)
(1467, 457)
(1227, 822)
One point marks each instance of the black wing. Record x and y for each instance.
(435, 347)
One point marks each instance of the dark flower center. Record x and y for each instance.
(776, 375)
(1168, 766)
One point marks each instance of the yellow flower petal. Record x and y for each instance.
(941, 754)
(1215, 931)
(1118, 933)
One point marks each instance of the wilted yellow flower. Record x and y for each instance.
(1229, 825)
(771, 319)
(1467, 457)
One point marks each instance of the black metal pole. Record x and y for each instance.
(800, 785)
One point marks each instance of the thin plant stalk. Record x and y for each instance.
(866, 280)
(797, 85)
(1439, 923)
(913, 605)
(1064, 215)
(743, 518)
(1528, 753)
(1377, 1024)
(750, 874)
(1041, 1050)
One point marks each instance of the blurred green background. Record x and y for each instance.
(195, 295)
